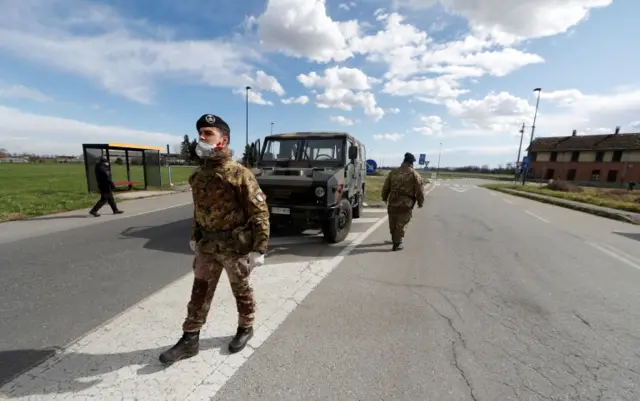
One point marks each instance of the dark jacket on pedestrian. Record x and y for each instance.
(103, 177)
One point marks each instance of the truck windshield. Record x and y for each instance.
(308, 150)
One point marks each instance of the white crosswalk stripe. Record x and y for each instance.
(119, 360)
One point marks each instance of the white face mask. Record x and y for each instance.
(204, 150)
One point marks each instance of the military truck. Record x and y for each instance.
(313, 180)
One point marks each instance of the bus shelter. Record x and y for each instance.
(131, 165)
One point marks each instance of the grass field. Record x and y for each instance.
(619, 199)
(30, 190)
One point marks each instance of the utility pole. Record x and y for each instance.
(533, 129)
(438, 167)
(519, 150)
(271, 128)
(247, 89)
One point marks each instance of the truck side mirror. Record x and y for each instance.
(353, 152)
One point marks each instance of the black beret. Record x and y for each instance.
(210, 120)
(409, 158)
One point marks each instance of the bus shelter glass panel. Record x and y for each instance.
(152, 168)
(92, 158)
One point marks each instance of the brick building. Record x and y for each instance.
(603, 159)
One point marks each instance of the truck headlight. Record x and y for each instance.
(320, 192)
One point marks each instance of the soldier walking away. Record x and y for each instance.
(105, 186)
(230, 232)
(402, 189)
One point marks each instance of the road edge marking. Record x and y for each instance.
(530, 213)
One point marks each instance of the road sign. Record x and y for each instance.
(426, 163)
(525, 162)
(422, 158)
(371, 166)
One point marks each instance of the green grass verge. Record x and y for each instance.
(373, 188)
(619, 200)
(530, 192)
(36, 189)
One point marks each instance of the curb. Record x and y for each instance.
(557, 202)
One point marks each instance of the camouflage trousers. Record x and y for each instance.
(398, 221)
(207, 270)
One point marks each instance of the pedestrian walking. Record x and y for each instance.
(402, 189)
(105, 186)
(230, 232)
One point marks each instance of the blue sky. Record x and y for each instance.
(402, 75)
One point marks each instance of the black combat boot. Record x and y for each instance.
(243, 335)
(186, 347)
(397, 246)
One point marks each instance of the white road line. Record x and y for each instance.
(363, 220)
(376, 210)
(616, 254)
(536, 216)
(623, 254)
(508, 201)
(120, 359)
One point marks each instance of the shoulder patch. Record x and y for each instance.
(260, 196)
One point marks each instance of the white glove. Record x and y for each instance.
(192, 245)
(255, 259)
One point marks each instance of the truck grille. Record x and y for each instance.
(291, 196)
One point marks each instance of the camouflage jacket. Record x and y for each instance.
(227, 198)
(403, 188)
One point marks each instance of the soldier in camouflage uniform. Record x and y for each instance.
(230, 232)
(402, 189)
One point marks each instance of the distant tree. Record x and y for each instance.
(185, 148)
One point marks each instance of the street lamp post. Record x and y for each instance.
(247, 89)
(533, 129)
(438, 167)
(515, 178)
(271, 128)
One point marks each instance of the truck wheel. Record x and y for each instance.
(357, 211)
(337, 229)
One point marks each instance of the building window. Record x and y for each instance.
(575, 156)
(549, 175)
(599, 156)
(554, 156)
(595, 175)
(617, 155)
(533, 156)
(612, 175)
(571, 174)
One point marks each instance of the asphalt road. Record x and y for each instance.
(493, 298)
(486, 302)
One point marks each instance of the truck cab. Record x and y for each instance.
(313, 180)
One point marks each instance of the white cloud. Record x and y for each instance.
(345, 99)
(337, 78)
(560, 112)
(517, 19)
(430, 125)
(264, 82)
(296, 100)
(302, 28)
(22, 92)
(341, 120)
(123, 56)
(394, 137)
(254, 97)
(22, 132)
(498, 112)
